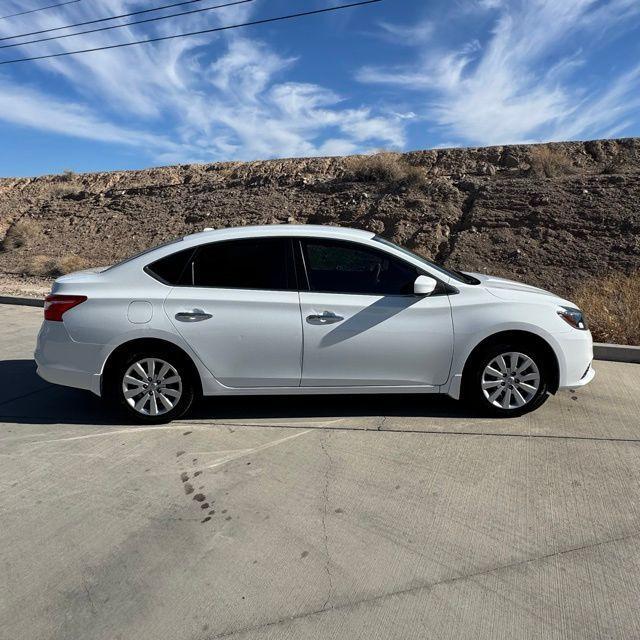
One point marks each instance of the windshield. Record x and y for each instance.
(450, 273)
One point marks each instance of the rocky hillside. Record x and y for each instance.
(553, 215)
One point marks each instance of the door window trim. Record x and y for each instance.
(297, 273)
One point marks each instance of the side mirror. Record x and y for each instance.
(424, 285)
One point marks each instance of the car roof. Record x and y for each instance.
(272, 230)
(215, 235)
(314, 230)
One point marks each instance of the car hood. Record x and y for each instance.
(512, 290)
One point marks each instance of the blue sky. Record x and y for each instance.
(401, 74)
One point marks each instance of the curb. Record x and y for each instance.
(601, 351)
(25, 302)
(616, 352)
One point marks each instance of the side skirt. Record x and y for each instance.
(298, 391)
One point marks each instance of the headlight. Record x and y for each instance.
(574, 317)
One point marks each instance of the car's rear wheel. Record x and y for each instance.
(507, 380)
(151, 387)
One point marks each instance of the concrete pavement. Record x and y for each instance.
(369, 517)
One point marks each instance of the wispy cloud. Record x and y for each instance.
(464, 72)
(176, 100)
(26, 107)
(522, 82)
(408, 35)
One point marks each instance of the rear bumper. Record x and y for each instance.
(70, 378)
(61, 360)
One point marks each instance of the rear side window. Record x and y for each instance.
(173, 269)
(261, 263)
(344, 267)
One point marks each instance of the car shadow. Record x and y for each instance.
(367, 318)
(27, 399)
(329, 406)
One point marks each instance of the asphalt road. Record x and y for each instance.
(369, 518)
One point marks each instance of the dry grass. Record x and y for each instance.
(46, 266)
(612, 307)
(387, 167)
(21, 233)
(547, 162)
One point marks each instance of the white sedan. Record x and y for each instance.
(305, 310)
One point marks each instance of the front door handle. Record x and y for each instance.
(325, 318)
(197, 315)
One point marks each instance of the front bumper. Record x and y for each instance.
(575, 358)
(61, 360)
(588, 376)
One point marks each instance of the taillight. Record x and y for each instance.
(55, 306)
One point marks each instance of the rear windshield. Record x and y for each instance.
(144, 253)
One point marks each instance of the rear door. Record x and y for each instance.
(238, 307)
(363, 325)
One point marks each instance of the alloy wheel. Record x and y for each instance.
(510, 380)
(152, 386)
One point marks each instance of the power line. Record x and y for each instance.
(195, 33)
(127, 24)
(50, 6)
(120, 26)
(83, 24)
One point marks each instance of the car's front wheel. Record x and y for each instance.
(151, 387)
(507, 380)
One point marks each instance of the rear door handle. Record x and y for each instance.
(324, 318)
(197, 315)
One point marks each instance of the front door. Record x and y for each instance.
(362, 324)
(240, 312)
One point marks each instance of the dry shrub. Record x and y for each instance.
(62, 189)
(547, 162)
(48, 267)
(388, 167)
(612, 307)
(20, 234)
(40, 266)
(70, 263)
(63, 184)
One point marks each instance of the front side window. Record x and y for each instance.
(456, 275)
(345, 267)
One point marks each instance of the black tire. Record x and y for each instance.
(474, 394)
(115, 386)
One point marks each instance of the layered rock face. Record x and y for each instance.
(551, 215)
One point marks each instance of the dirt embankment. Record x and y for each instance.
(552, 215)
